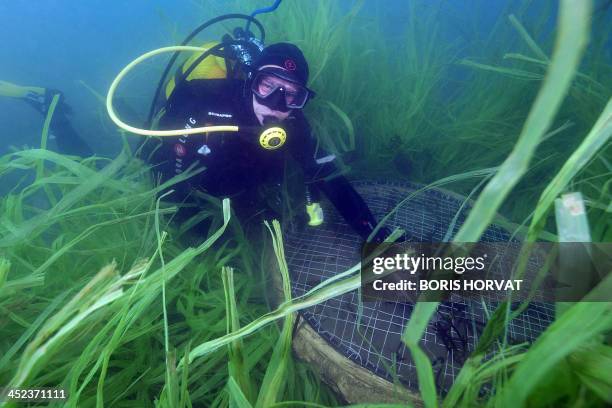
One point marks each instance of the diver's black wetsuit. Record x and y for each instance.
(236, 165)
(68, 140)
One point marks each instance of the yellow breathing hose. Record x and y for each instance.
(161, 133)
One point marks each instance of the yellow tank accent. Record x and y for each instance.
(211, 67)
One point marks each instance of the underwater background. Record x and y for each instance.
(405, 73)
(417, 91)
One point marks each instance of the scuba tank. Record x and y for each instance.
(229, 58)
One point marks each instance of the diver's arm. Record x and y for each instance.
(68, 140)
(321, 173)
(349, 204)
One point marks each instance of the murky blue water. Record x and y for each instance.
(59, 43)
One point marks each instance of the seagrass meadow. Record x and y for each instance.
(105, 294)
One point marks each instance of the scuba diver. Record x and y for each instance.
(240, 164)
(67, 139)
(241, 82)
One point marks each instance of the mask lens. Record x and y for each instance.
(296, 99)
(266, 84)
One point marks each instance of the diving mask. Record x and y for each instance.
(278, 91)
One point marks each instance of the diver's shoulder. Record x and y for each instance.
(213, 86)
(198, 93)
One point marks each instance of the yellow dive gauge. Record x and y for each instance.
(273, 138)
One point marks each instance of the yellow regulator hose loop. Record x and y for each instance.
(161, 133)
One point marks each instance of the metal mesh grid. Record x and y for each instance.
(374, 340)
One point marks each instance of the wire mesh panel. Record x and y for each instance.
(370, 333)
